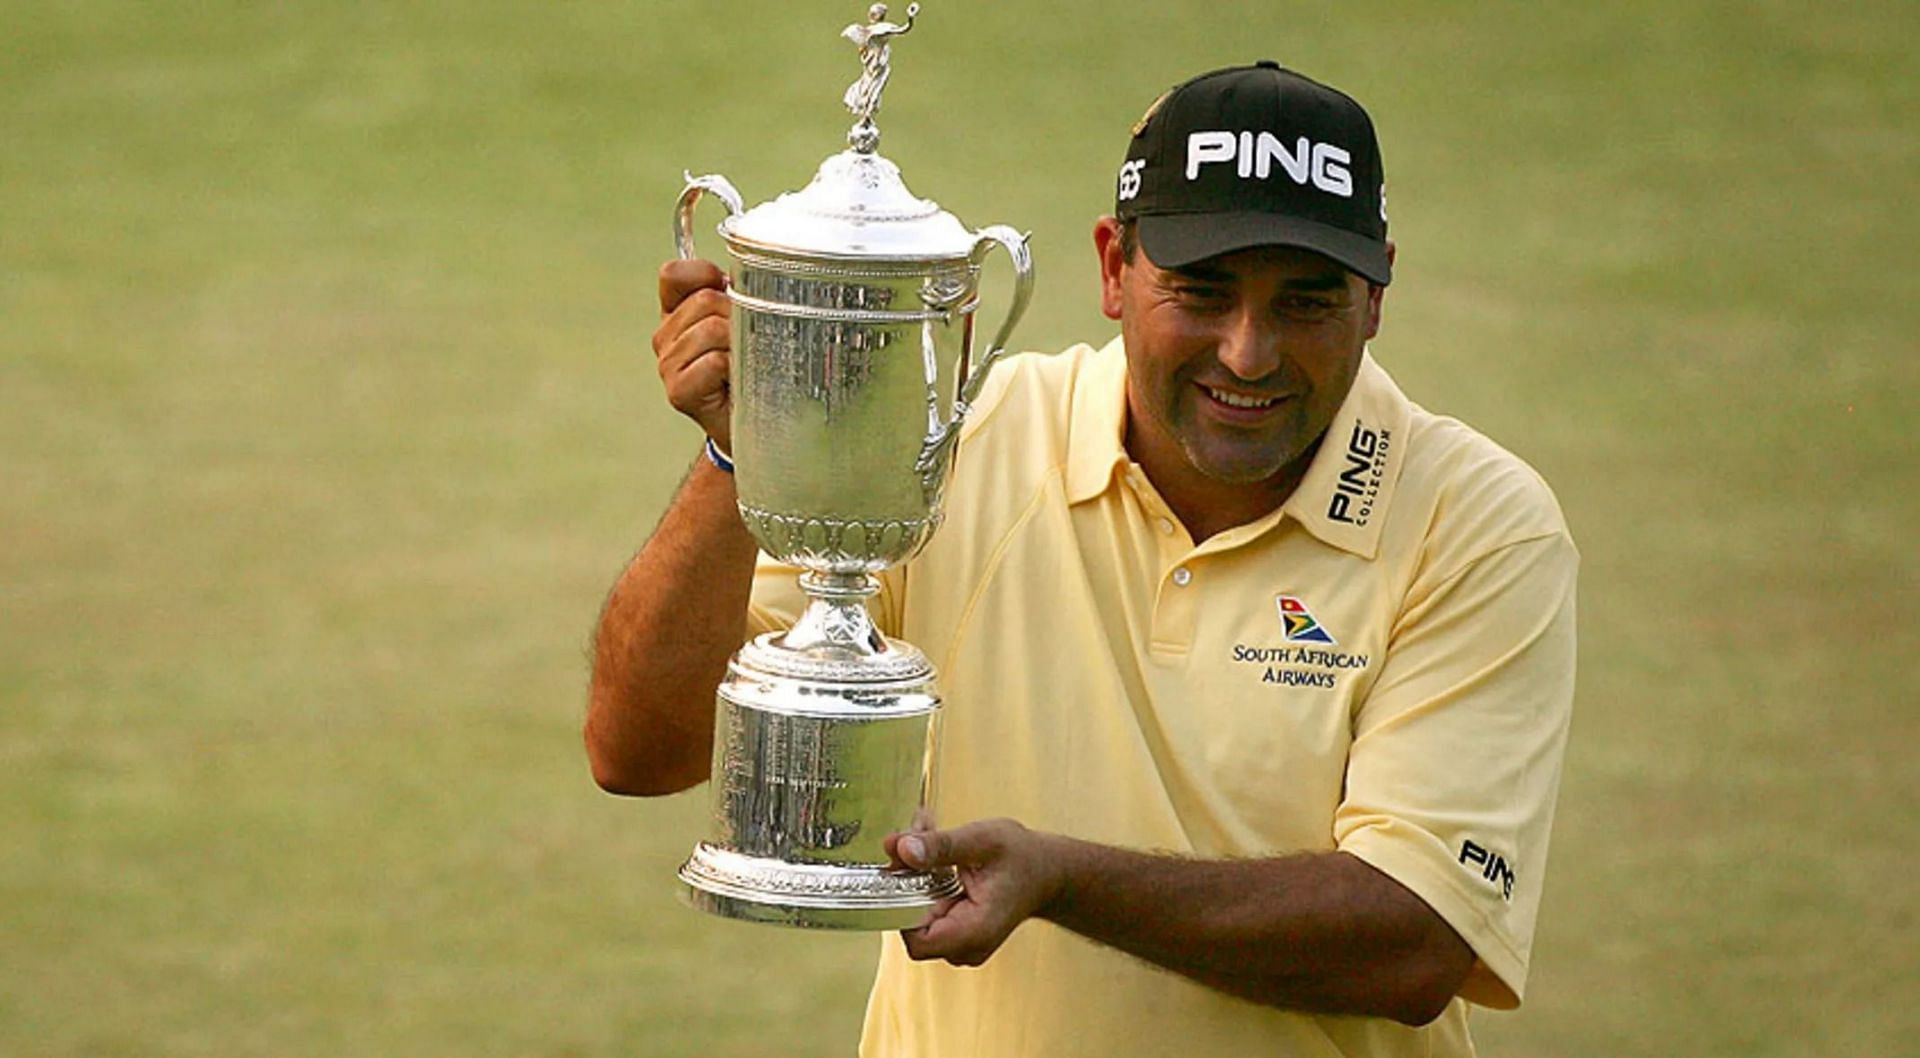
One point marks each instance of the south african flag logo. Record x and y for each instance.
(1299, 622)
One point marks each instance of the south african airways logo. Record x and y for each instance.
(1299, 624)
(1300, 665)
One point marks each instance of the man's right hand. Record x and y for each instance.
(694, 345)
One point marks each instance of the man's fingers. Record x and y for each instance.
(705, 310)
(695, 338)
(699, 387)
(963, 938)
(968, 845)
(678, 278)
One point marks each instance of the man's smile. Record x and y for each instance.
(1238, 406)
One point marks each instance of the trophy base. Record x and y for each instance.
(811, 896)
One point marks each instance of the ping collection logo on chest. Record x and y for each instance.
(1309, 659)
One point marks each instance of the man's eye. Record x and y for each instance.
(1201, 293)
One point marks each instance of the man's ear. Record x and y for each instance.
(1106, 243)
(1375, 294)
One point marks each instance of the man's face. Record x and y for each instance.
(1236, 364)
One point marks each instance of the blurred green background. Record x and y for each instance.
(329, 416)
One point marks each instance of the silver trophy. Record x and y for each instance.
(853, 305)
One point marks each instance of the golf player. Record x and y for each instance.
(1258, 674)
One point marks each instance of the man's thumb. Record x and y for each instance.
(969, 844)
(914, 851)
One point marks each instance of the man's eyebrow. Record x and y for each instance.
(1323, 281)
(1206, 273)
(1203, 272)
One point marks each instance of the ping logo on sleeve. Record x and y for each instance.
(1492, 866)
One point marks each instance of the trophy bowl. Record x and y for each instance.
(852, 369)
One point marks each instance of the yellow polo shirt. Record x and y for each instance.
(1383, 666)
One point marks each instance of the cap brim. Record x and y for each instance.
(1175, 240)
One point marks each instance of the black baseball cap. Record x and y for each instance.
(1256, 156)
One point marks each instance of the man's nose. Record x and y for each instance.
(1250, 348)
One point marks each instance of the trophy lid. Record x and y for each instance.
(856, 206)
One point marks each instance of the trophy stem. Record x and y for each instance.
(835, 623)
(826, 584)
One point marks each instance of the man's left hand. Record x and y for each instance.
(1009, 873)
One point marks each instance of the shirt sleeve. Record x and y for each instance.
(1457, 749)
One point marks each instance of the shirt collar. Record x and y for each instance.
(1344, 496)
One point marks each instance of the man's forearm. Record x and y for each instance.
(668, 627)
(1322, 932)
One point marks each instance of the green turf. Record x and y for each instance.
(328, 418)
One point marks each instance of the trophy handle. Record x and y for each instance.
(1016, 246)
(712, 183)
(937, 453)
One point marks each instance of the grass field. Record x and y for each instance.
(328, 418)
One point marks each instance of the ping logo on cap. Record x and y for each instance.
(1321, 164)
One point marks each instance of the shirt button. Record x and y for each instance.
(1182, 576)
(1166, 526)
